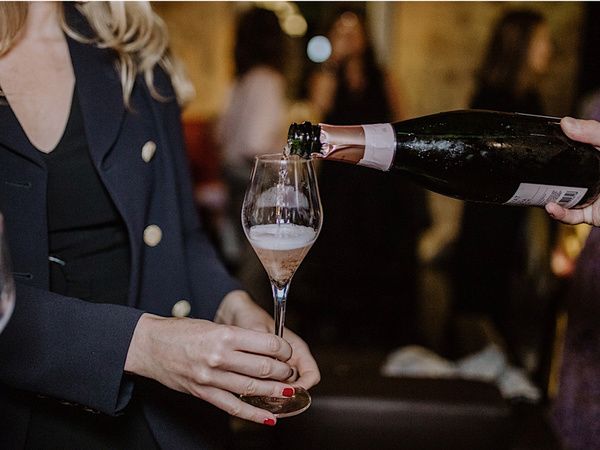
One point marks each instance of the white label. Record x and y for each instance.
(380, 146)
(540, 194)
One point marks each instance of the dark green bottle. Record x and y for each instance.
(485, 156)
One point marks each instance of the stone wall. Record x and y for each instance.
(436, 48)
(202, 36)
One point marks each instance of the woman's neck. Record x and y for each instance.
(42, 21)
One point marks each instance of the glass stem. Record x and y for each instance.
(279, 297)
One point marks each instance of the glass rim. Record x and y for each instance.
(279, 157)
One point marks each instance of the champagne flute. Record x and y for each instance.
(7, 285)
(282, 217)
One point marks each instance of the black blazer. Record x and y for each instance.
(71, 350)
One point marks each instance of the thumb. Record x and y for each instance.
(587, 131)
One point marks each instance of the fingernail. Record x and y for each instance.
(288, 392)
(570, 122)
(269, 422)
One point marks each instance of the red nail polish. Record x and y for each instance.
(288, 392)
(270, 422)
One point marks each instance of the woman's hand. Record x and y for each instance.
(587, 131)
(213, 362)
(237, 308)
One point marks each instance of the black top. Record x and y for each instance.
(88, 244)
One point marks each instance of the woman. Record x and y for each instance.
(106, 246)
(491, 247)
(254, 121)
(576, 409)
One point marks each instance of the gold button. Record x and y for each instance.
(148, 151)
(152, 235)
(181, 309)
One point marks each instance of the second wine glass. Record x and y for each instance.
(7, 284)
(282, 217)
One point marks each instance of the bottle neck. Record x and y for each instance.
(366, 145)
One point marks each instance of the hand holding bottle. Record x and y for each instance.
(586, 131)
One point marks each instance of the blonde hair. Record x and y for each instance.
(132, 29)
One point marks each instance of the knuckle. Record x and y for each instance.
(198, 392)
(317, 378)
(202, 376)
(227, 335)
(273, 343)
(234, 409)
(251, 388)
(215, 360)
(266, 368)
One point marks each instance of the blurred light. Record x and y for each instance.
(318, 49)
(294, 25)
(285, 8)
(282, 9)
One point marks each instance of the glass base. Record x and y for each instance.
(282, 406)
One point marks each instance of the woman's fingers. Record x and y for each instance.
(257, 342)
(231, 404)
(308, 378)
(243, 385)
(257, 366)
(302, 359)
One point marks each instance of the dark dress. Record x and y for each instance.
(361, 274)
(89, 259)
(577, 406)
(491, 245)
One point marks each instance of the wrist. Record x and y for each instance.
(136, 361)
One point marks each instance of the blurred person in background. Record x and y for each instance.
(491, 249)
(576, 409)
(128, 333)
(254, 122)
(363, 268)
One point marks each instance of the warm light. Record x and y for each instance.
(318, 49)
(294, 25)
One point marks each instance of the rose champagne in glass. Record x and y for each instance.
(282, 217)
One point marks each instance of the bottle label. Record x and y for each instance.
(380, 146)
(529, 194)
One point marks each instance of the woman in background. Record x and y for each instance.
(368, 244)
(491, 246)
(254, 121)
(110, 260)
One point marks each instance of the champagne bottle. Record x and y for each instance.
(475, 155)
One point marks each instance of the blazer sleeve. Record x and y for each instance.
(208, 277)
(68, 349)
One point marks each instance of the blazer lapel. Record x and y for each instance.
(100, 96)
(14, 138)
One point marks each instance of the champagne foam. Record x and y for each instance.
(286, 236)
